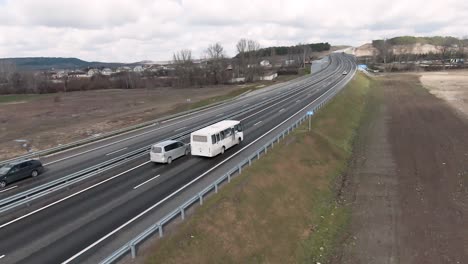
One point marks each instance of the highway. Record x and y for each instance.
(57, 226)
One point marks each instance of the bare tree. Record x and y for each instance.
(215, 52)
(216, 64)
(253, 58)
(241, 47)
(184, 67)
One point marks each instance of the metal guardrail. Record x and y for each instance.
(180, 211)
(27, 196)
(135, 127)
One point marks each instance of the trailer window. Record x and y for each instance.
(196, 138)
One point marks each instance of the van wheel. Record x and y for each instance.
(169, 160)
(3, 184)
(187, 152)
(34, 173)
(240, 140)
(222, 150)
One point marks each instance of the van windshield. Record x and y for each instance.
(156, 149)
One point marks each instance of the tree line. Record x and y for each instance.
(214, 68)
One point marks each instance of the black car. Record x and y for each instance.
(19, 170)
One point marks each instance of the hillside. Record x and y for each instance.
(411, 45)
(46, 63)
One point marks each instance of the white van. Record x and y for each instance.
(215, 139)
(169, 150)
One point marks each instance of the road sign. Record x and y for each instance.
(310, 113)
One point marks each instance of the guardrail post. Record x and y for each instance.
(201, 199)
(266, 149)
(250, 162)
(229, 177)
(182, 213)
(216, 187)
(132, 249)
(160, 228)
(258, 154)
(240, 169)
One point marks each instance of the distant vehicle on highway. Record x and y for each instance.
(169, 150)
(19, 170)
(215, 139)
(345, 72)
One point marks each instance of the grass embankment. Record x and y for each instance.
(12, 98)
(283, 208)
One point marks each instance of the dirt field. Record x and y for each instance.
(407, 185)
(48, 120)
(451, 86)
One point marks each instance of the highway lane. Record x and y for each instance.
(66, 228)
(157, 133)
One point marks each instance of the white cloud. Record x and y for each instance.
(117, 30)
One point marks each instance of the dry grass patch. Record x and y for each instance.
(282, 209)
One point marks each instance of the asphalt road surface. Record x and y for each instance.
(57, 226)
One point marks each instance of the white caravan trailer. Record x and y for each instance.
(215, 139)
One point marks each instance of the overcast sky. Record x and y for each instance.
(135, 30)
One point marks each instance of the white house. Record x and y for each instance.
(92, 72)
(124, 69)
(269, 77)
(106, 71)
(265, 63)
(138, 68)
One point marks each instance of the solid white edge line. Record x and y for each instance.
(188, 184)
(146, 181)
(70, 196)
(113, 152)
(7, 189)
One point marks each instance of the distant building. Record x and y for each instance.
(265, 63)
(269, 76)
(124, 69)
(138, 68)
(289, 62)
(77, 74)
(92, 72)
(106, 71)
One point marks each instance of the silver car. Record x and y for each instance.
(169, 150)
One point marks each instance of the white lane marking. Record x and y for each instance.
(282, 109)
(189, 183)
(179, 129)
(2, 256)
(113, 152)
(7, 189)
(70, 196)
(258, 123)
(146, 181)
(220, 115)
(264, 109)
(245, 105)
(298, 101)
